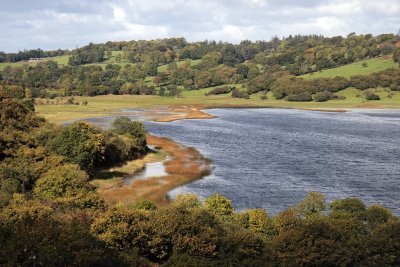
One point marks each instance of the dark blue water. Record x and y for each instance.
(271, 158)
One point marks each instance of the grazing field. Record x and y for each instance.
(61, 60)
(108, 104)
(358, 68)
(15, 64)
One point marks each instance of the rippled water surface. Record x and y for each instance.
(271, 158)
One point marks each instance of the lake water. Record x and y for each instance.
(271, 158)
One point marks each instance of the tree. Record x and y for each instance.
(351, 205)
(316, 243)
(257, 221)
(312, 204)
(134, 129)
(260, 83)
(396, 55)
(383, 247)
(35, 234)
(60, 181)
(220, 206)
(108, 54)
(82, 144)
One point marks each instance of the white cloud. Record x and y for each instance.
(63, 24)
(256, 2)
(385, 7)
(341, 8)
(118, 13)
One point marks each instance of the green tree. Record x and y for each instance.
(82, 144)
(312, 204)
(134, 129)
(220, 206)
(351, 205)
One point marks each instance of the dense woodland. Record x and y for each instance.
(258, 66)
(50, 215)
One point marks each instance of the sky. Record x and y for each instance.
(66, 24)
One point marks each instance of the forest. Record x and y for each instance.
(50, 214)
(165, 67)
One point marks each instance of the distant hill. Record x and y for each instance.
(167, 66)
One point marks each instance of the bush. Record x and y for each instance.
(338, 97)
(240, 94)
(278, 94)
(302, 97)
(370, 95)
(220, 90)
(322, 96)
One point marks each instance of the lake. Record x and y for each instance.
(271, 158)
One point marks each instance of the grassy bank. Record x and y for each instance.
(186, 165)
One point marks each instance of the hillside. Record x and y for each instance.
(171, 67)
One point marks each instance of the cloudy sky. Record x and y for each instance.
(52, 24)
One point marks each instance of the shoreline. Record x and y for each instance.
(185, 166)
(191, 112)
(186, 114)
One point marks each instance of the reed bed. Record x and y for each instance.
(186, 165)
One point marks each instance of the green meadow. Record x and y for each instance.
(363, 67)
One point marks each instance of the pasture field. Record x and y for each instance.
(61, 60)
(357, 68)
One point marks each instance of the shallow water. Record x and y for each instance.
(152, 169)
(271, 158)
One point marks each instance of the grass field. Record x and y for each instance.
(109, 104)
(15, 64)
(61, 60)
(373, 65)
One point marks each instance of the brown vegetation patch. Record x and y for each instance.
(186, 165)
(187, 113)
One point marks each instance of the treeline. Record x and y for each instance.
(299, 54)
(27, 54)
(79, 80)
(85, 55)
(50, 215)
(114, 79)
